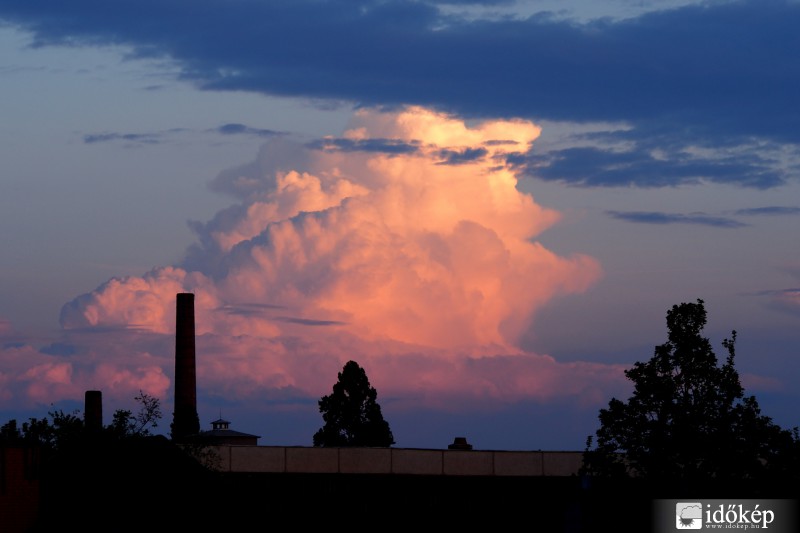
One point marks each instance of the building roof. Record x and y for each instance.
(221, 432)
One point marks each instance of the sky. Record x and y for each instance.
(490, 205)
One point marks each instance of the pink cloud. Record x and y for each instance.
(379, 246)
(118, 362)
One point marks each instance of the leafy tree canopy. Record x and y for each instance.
(351, 413)
(63, 430)
(688, 417)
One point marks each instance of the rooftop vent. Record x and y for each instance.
(460, 443)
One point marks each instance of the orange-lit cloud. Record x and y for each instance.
(403, 244)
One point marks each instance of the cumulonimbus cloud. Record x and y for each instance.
(422, 262)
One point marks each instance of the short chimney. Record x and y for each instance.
(93, 410)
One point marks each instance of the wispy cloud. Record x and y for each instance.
(309, 321)
(458, 157)
(241, 129)
(656, 217)
(158, 137)
(652, 165)
(385, 146)
(785, 300)
(774, 210)
(248, 309)
(131, 138)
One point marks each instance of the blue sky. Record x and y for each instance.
(141, 143)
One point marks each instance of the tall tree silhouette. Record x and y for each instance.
(351, 413)
(688, 417)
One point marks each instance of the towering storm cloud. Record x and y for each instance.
(405, 242)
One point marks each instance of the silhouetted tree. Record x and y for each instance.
(62, 430)
(10, 433)
(351, 413)
(688, 418)
(125, 424)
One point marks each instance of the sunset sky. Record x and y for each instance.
(490, 205)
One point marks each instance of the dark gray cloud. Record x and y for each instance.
(241, 129)
(458, 157)
(656, 217)
(159, 137)
(308, 321)
(59, 348)
(386, 146)
(472, 2)
(785, 300)
(249, 309)
(716, 74)
(642, 166)
(14, 344)
(773, 210)
(130, 138)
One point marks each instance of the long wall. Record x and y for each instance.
(404, 461)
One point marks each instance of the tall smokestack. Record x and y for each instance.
(185, 421)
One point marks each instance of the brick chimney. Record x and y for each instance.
(185, 421)
(93, 410)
